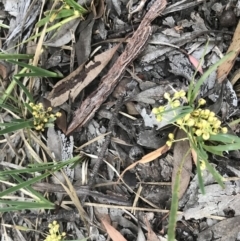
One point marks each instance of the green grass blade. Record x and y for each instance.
(31, 190)
(41, 72)
(215, 174)
(23, 185)
(25, 90)
(15, 56)
(205, 75)
(19, 126)
(26, 206)
(199, 175)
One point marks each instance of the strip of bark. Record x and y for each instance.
(135, 46)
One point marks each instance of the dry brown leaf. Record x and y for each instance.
(113, 233)
(224, 68)
(97, 7)
(72, 85)
(3, 71)
(147, 158)
(151, 236)
(179, 152)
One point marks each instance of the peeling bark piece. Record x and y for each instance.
(135, 45)
(72, 85)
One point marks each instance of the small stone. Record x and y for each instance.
(228, 18)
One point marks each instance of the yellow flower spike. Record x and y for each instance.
(155, 111)
(198, 132)
(224, 130)
(171, 136)
(201, 102)
(190, 122)
(176, 103)
(205, 136)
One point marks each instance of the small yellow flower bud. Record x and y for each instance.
(217, 124)
(161, 109)
(31, 104)
(207, 112)
(159, 118)
(198, 132)
(166, 96)
(203, 165)
(187, 116)
(224, 130)
(179, 121)
(205, 136)
(176, 103)
(211, 114)
(190, 122)
(58, 114)
(182, 93)
(176, 95)
(169, 143)
(196, 113)
(171, 136)
(210, 119)
(49, 109)
(155, 111)
(201, 102)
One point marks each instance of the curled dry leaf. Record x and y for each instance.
(224, 68)
(80, 78)
(113, 233)
(147, 158)
(179, 153)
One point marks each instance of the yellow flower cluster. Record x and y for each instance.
(203, 122)
(174, 102)
(41, 116)
(54, 234)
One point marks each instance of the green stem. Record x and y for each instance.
(174, 203)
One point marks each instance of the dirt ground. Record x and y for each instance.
(114, 65)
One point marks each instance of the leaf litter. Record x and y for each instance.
(168, 61)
